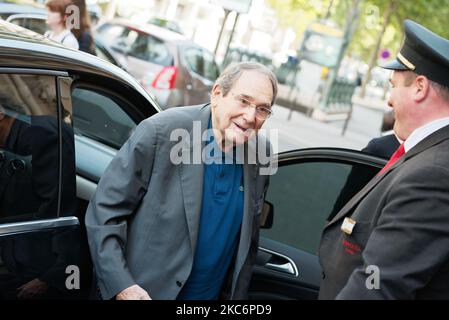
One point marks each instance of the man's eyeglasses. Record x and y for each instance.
(263, 112)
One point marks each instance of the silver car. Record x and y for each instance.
(173, 68)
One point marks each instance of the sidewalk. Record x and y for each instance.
(304, 132)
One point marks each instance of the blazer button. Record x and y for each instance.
(179, 283)
(323, 275)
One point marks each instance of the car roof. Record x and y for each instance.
(15, 8)
(20, 47)
(152, 29)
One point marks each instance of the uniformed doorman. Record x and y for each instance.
(391, 240)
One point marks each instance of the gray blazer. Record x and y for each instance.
(402, 228)
(143, 220)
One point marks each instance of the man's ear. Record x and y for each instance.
(215, 93)
(422, 86)
(216, 90)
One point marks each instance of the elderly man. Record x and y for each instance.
(161, 228)
(391, 240)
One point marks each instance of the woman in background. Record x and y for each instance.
(56, 21)
(84, 33)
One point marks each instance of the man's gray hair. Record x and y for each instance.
(233, 72)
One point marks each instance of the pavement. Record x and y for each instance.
(301, 131)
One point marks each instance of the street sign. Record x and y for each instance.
(239, 6)
(321, 44)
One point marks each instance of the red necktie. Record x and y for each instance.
(395, 157)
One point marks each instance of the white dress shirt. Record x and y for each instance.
(423, 132)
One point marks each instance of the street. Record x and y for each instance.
(305, 132)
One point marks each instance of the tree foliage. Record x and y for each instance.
(433, 14)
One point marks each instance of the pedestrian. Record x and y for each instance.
(60, 31)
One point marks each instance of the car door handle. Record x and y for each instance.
(285, 268)
(278, 262)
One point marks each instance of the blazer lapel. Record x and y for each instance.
(192, 174)
(249, 183)
(360, 195)
(248, 208)
(428, 142)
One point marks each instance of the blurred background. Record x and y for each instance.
(324, 52)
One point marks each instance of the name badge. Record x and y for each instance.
(348, 225)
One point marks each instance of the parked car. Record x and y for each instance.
(167, 24)
(34, 18)
(169, 65)
(94, 11)
(8, 8)
(72, 112)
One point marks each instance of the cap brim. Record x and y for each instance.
(394, 65)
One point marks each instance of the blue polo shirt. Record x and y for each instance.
(220, 222)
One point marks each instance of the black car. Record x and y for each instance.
(63, 116)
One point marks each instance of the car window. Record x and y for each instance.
(305, 195)
(117, 37)
(101, 117)
(36, 25)
(136, 44)
(195, 60)
(201, 62)
(29, 147)
(111, 33)
(151, 49)
(211, 70)
(101, 53)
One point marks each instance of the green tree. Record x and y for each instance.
(380, 23)
(388, 29)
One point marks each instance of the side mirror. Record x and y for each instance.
(266, 217)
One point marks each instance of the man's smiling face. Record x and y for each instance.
(236, 124)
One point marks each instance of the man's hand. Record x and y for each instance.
(133, 293)
(32, 289)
